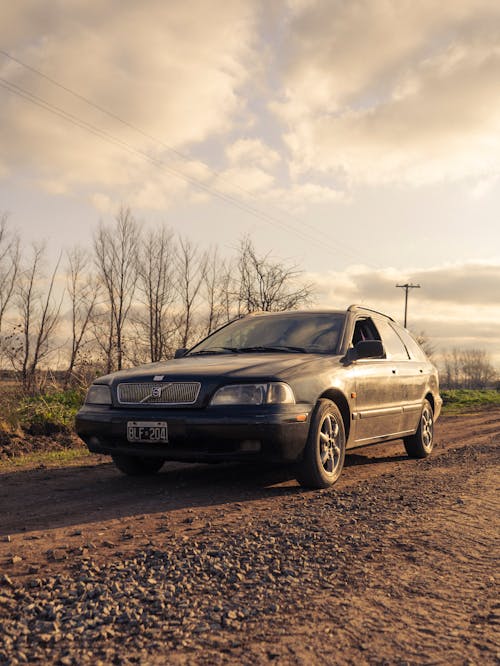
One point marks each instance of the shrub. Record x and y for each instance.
(49, 413)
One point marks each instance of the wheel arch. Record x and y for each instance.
(430, 398)
(340, 400)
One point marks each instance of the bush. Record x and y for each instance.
(49, 413)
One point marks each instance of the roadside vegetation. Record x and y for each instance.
(38, 424)
(49, 413)
(58, 458)
(459, 401)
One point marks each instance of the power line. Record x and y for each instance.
(103, 134)
(228, 198)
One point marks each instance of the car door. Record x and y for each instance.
(378, 411)
(404, 374)
(416, 373)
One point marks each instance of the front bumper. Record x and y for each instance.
(272, 434)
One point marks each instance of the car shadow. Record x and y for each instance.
(47, 498)
(56, 497)
(353, 459)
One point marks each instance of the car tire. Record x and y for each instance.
(137, 465)
(421, 443)
(324, 452)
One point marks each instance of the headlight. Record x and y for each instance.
(254, 394)
(98, 395)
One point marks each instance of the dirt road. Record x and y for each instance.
(397, 564)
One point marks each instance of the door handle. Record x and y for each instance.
(394, 371)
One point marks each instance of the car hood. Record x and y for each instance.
(245, 366)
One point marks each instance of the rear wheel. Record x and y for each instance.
(324, 452)
(137, 465)
(421, 443)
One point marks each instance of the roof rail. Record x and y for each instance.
(355, 306)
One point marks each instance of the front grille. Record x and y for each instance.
(172, 393)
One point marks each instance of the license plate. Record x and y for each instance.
(147, 431)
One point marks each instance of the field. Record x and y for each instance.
(235, 565)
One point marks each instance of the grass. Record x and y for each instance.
(38, 429)
(48, 413)
(459, 401)
(45, 458)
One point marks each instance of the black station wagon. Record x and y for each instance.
(296, 387)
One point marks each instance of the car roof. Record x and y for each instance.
(355, 308)
(266, 313)
(352, 308)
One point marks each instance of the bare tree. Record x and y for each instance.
(156, 265)
(83, 291)
(467, 368)
(477, 369)
(218, 291)
(191, 265)
(9, 265)
(38, 312)
(451, 376)
(267, 285)
(116, 249)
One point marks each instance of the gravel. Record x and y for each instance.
(209, 593)
(207, 589)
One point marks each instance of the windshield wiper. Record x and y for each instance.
(214, 350)
(277, 348)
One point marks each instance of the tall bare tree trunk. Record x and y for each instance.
(116, 250)
(83, 292)
(39, 318)
(191, 265)
(156, 286)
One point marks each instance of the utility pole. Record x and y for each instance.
(407, 287)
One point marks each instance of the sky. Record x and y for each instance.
(358, 139)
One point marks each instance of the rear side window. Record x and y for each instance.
(394, 347)
(416, 351)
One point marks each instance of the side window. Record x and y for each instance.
(416, 352)
(394, 347)
(364, 329)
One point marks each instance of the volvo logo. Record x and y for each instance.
(156, 392)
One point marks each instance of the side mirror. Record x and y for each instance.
(369, 349)
(179, 353)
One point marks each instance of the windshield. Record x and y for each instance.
(291, 332)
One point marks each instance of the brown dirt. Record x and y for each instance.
(14, 445)
(397, 564)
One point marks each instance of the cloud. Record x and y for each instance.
(332, 93)
(467, 284)
(252, 152)
(484, 186)
(243, 181)
(472, 284)
(386, 94)
(456, 306)
(173, 70)
(297, 197)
